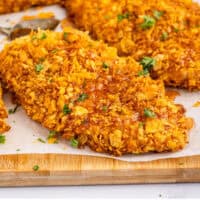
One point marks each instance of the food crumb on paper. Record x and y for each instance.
(196, 104)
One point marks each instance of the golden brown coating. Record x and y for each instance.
(83, 90)
(163, 29)
(3, 114)
(7, 6)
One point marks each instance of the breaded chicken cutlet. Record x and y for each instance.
(161, 34)
(82, 90)
(3, 114)
(151, 31)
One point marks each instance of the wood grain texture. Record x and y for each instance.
(16, 170)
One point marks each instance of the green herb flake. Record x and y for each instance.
(149, 113)
(74, 143)
(39, 67)
(13, 110)
(148, 63)
(158, 14)
(176, 30)
(105, 108)
(82, 97)
(148, 22)
(66, 110)
(52, 134)
(43, 36)
(41, 140)
(2, 139)
(18, 150)
(141, 124)
(36, 168)
(121, 17)
(34, 37)
(143, 72)
(105, 65)
(65, 34)
(164, 36)
(54, 51)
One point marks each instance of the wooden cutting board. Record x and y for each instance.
(16, 170)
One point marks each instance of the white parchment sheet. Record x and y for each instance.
(24, 133)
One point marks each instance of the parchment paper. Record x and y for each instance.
(24, 134)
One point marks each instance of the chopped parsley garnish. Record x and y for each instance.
(34, 37)
(41, 140)
(107, 17)
(141, 124)
(105, 108)
(120, 17)
(147, 63)
(176, 30)
(149, 113)
(74, 143)
(2, 139)
(52, 139)
(43, 36)
(54, 51)
(52, 134)
(36, 167)
(105, 65)
(143, 72)
(82, 97)
(148, 22)
(65, 34)
(158, 14)
(164, 36)
(18, 150)
(13, 110)
(39, 67)
(66, 110)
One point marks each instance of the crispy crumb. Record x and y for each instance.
(79, 88)
(196, 104)
(172, 94)
(165, 30)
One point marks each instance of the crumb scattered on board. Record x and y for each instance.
(196, 104)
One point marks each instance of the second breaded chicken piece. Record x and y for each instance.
(160, 33)
(81, 89)
(7, 6)
(3, 114)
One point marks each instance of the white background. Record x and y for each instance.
(152, 191)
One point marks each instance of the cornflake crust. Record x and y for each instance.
(82, 90)
(166, 31)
